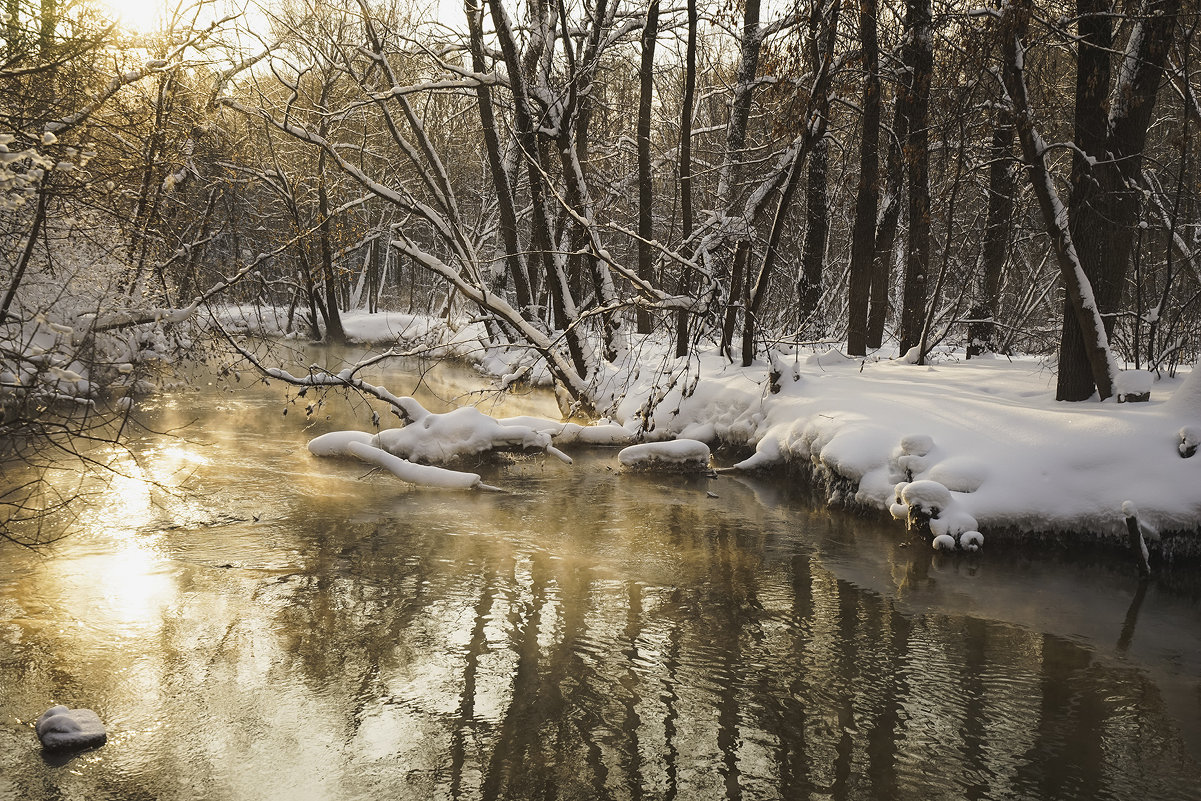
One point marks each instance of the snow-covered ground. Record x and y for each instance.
(979, 445)
(987, 430)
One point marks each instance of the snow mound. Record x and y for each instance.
(927, 497)
(678, 454)
(831, 358)
(600, 434)
(461, 433)
(917, 444)
(960, 473)
(60, 728)
(944, 542)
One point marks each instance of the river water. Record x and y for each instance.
(254, 623)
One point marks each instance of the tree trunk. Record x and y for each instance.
(686, 168)
(817, 229)
(531, 154)
(917, 155)
(889, 213)
(500, 180)
(645, 189)
(863, 234)
(1015, 20)
(997, 229)
(333, 329)
(1111, 130)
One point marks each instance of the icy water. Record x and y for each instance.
(290, 628)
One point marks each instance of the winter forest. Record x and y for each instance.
(538, 399)
(578, 178)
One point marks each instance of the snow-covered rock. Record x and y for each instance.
(1190, 439)
(61, 728)
(943, 542)
(927, 497)
(679, 454)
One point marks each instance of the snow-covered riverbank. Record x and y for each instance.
(982, 442)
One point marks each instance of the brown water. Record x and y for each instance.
(291, 628)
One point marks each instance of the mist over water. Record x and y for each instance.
(294, 628)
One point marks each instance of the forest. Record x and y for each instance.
(882, 176)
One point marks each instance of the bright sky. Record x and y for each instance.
(147, 15)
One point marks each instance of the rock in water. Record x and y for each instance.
(60, 728)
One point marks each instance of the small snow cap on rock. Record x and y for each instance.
(679, 454)
(61, 728)
(971, 540)
(1190, 439)
(944, 542)
(929, 497)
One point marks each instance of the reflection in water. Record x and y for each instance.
(590, 635)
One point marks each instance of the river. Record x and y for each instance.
(254, 623)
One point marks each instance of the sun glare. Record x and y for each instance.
(135, 15)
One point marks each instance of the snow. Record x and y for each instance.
(62, 728)
(337, 443)
(419, 474)
(463, 432)
(986, 434)
(688, 454)
(957, 448)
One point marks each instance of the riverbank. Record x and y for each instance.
(979, 445)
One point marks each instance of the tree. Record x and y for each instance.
(863, 237)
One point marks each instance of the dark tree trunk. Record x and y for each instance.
(650, 33)
(1110, 127)
(686, 168)
(889, 214)
(997, 229)
(863, 234)
(1086, 212)
(817, 228)
(823, 30)
(531, 155)
(333, 320)
(917, 155)
(500, 179)
(1015, 20)
(741, 257)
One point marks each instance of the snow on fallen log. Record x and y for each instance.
(461, 433)
(562, 434)
(422, 475)
(336, 443)
(678, 454)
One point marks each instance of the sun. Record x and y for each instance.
(141, 16)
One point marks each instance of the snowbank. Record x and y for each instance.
(987, 431)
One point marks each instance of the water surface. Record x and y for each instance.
(259, 624)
